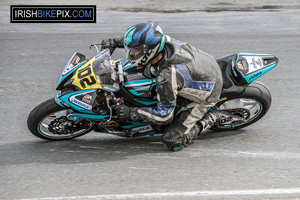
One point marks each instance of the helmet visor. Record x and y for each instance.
(135, 53)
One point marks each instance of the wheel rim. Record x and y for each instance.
(44, 125)
(253, 106)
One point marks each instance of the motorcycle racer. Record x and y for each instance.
(180, 70)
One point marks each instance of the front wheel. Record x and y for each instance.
(49, 121)
(252, 105)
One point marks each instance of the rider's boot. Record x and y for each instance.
(188, 138)
(209, 120)
(206, 123)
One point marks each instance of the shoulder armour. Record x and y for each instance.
(177, 54)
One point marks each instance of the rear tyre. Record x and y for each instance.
(255, 102)
(47, 119)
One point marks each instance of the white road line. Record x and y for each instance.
(241, 154)
(179, 194)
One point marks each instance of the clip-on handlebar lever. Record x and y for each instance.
(95, 46)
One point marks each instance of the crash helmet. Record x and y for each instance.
(143, 42)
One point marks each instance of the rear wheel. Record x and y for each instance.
(252, 105)
(49, 121)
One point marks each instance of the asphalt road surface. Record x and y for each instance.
(258, 162)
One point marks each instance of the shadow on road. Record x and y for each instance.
(213, 135)
(89, 150)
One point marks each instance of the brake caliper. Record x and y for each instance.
(63, 126)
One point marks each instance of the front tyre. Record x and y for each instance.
(48, 121)
(252, 105)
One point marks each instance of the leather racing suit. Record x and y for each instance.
(187, 72)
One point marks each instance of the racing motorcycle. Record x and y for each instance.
(90, 88)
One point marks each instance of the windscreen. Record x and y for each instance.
(76, 59)
(105, 72)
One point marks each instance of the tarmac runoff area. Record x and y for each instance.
(170, 6)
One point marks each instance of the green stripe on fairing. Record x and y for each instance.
(91, 117)
(146, 102)
(65, 100)
(251, 54)
(259, 73)
(140, 81)
(133, 125)
(127, 67)
(149, 133)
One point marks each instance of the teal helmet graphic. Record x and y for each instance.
(143, 42)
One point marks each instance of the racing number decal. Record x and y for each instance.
(85, 77)
(85, 72)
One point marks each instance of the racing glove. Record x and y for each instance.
(108, 44)
(112, 44)
(126, 113)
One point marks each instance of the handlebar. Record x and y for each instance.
(95, 46)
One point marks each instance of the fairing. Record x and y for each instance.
(252, 66)
(239, 70)
(76, 61)
(141, 87)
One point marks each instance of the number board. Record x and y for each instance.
(85, 78)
